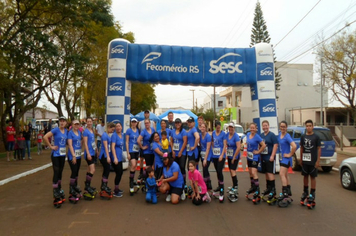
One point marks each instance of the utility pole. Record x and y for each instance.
(193, 96)
(321, 91)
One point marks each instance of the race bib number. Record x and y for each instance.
(216, 151)
(109, 147)
(265, 151)
(135, 148)
(151, 146)
(78, 152)
(202, 154)
(62, 151)
(306, 156)
(188, 147)
(176, 146)
(230, 152)
(250, 155)
(93, 145)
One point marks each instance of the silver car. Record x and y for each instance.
(347, 172)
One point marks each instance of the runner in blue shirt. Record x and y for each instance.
(146, 146)
(285, 144)
(168, 131)
(133, 150)
(268, 159)
(205, 153)
(117, 148)
(158, 152)
(218, 155)
(89, 155)
(232, 144)
(58, 156)
(74, 157)
(192, 142)
(105, 160)
(255, 146)
(178, 145)
(171, 181)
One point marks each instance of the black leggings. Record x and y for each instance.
(219, 166)
(106, 167)
(118, 170)
(158, 172)
(74, 168)
(182, 161)
(58, 165)
(206, 173)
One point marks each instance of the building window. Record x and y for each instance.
(220, 103)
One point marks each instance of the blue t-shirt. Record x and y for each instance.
(231, 145)
(270, 140)
(284, 148)
(119, 146)
(191, 142)
(105, 137)
(217, 144)
(178, 183)
(168, 131)
(76, 144)
(158, 158)
(146, 140)
(90, 142)
(203, 144)
(178, 141)
(133, 145)
(252, 145)
(60, 140)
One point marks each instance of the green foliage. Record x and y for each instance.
(142, 97)
(353, 143)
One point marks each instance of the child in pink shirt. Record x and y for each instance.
(200, 193)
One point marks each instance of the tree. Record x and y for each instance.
(339, 69)
(142, 97)
(260, 35)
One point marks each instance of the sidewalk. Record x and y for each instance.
(349, 151)
(11, 168)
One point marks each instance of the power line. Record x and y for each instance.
(298, 23)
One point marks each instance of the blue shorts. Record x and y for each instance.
(10, 145)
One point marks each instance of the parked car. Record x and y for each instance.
(328, 152)
(238, 129)
(347, 172)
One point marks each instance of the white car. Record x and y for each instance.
(238, 129)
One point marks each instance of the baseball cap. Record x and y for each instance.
(133, 120)
(231, 124)
(75, 122)
(191, 119)
(177, 120)
(62, 118)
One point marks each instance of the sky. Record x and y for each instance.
(294, 27)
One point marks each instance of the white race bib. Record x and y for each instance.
(216, 151)
(135, 148)
(306, 156)
(250, 155)
(230, 152)
(62, 151)
(188, 147)
(202, 154)
(265, 151)
(109, 147)
(78, 152)
(93, 145)
(176, 147)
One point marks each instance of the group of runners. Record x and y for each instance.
(167, 151)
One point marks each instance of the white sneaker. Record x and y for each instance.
(182, 197)
(168, 198)
(207, 198)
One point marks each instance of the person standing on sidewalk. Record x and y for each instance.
(39, 142)
(100, 129)
(10, 140)
(58, 154)
(27, 136)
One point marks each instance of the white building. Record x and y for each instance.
(220, 102)
(297, 91)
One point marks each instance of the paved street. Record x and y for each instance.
(26, 209)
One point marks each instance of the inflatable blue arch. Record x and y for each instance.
(190, 66)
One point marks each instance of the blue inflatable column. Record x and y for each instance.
(264, 105)
(118, 89)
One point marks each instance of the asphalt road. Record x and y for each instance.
(26, 209)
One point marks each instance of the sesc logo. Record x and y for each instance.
(266, 71)
(119, 49)
(223, 67)
(151, 56)
(115, 87)
(269, 108)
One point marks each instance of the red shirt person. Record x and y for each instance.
(10, 139)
